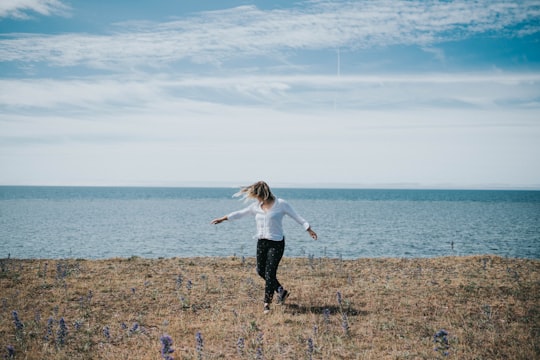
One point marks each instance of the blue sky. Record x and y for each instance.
(297, 93)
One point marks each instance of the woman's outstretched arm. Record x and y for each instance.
(219, 220)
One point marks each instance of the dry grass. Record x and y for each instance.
(390, 308)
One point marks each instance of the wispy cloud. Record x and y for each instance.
(247, 31)
(159, 92)
(25, 9)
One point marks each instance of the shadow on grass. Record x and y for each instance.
(331, 310)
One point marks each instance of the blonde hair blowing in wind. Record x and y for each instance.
(260, 190)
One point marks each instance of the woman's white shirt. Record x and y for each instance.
(270, 221)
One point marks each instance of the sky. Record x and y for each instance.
(385, 93)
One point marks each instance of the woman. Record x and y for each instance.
(268, 211)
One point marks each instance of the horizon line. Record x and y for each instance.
(292, 185)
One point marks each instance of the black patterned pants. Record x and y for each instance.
(269, 254)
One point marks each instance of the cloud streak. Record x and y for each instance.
(300, 92)
(24, 9)
(218, 36)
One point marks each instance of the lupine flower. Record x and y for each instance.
(260, 346)
(441, 340)
(339, 299)
(18, 323)
(315, 330)
(124, 326)
(260, 355)
(11, 352)
(189, 285)
(134, 328)
(240, 345)
(166, 347)
(326, 314)
(50, 323)
(62, 332)
(106, 332)
(310, 348)
(61, 271)
(77, 324)
(200, 344)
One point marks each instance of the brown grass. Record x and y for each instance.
(391, 308)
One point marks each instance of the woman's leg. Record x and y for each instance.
(273, 257)
(262, 250)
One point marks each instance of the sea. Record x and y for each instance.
(109, 222)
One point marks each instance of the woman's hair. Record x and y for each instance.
(259, 190)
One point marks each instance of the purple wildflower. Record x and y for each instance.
(166, 347)
(240, 345)
(134, 328)
(326, 315)
(189, 285)
(50, 323)
(18, 323)
(62, 332)
(260, 355)
(61, 271)
(310, 348)
(106, 332)
(179, 280)
(200, 345)
(441, 340)
(339, 299)
(11, 352)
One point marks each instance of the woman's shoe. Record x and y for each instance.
(283, 295)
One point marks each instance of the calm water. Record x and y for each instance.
(97, 222)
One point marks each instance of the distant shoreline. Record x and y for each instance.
(322, 186)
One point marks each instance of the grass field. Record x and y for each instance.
(481, 307)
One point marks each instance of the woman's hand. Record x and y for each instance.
(312, 233)
(219, 220)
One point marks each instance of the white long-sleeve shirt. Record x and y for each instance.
(270, 222)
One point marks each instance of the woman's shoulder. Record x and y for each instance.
(281, 201)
